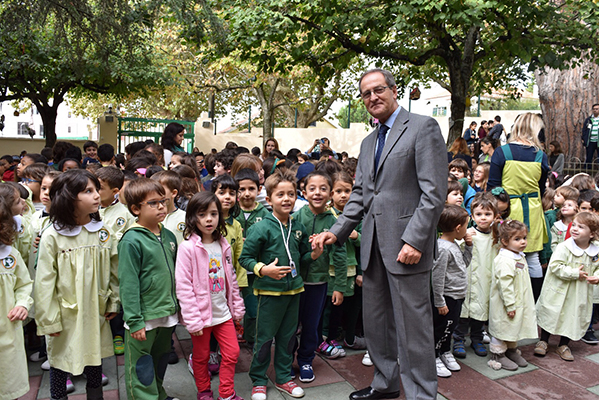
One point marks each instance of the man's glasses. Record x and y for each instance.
(377, 90)
(155, 203)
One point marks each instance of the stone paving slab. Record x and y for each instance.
(543, 385)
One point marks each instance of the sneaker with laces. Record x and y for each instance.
(366, 360)
(359, 343)
(442, 371)
(291, 389)
(259, 393)
(213, 363)
(450, 362)
(119, 345)
(339, 347)
(306, 373)
(70, 386)
(590, 338)
(327, 350)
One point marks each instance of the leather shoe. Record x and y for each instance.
(372, 394)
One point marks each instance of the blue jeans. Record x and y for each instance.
(312, 302)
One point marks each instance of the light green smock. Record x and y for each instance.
(175, 222)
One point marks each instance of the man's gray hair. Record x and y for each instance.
(389, 79)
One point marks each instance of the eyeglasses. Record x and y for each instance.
(155, 203)
(27, 180)
(377, 90)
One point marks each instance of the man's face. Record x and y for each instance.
(596, 111)
(380, 106)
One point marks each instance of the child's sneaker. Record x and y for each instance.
(589, 338)
(459, 349)
(38, 356)
(339, 347)
(70, 386)
(259, 393)
(206, 395)
(213, 363)
(291, 389)
(239, 331)
(442, 371)
(366, 360)
(119, 345)
(479, 349)
(233, 397)
(190, 365)
(45, 365)
(450, 362)
(328, 350)
(306, 373)
(104, 380)
(486, 338)
(359, 343)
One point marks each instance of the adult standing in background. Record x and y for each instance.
(497, 130)
(483, 130)
(470, 134)
(398, 195)
(487, 148)
(171, 140)
(590, 134)
(556, 157)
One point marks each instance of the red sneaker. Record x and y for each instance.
(291, 389)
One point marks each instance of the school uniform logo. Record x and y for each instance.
(181, 226)
(9, 262)
(258, 219)
(595, 258)
(173, 246)
(120, 221)
(104, 235)
(298, 235)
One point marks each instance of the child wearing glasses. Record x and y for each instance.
(147, 254)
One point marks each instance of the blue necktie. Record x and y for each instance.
(381, 143)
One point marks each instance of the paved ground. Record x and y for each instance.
(544, 378)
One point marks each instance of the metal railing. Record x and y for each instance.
(140, 129)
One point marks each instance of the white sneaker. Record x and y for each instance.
(450, 361)
(486, 338)
(190, 365)
(366, 360)
(70, 386)
(104, 380)
(46, 365)
(442, 371)
(35, 357)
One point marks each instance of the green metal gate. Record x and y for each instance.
(141, 129)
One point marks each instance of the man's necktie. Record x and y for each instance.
(381, 143)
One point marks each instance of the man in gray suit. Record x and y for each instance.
(399, 193)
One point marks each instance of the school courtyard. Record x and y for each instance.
(544, 378)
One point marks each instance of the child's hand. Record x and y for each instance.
(139, 335)
(272, 271)
(468, 238)
(544, 266)
(337, 298)
(198, 333)
(109, 315)
(582, 275)
(57, 334)
(18, 313)
(36, 242)
(443, 310)
(353, 235)
(511, 314)
(317, 252)
(359, 280)
(593, 280)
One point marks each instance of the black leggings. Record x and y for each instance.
(563, 341)
(58, 380)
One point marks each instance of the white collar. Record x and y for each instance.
(18, 221)
(511, 254)
(591, 251)
(5, 250)
(92, 226)
(560, 225)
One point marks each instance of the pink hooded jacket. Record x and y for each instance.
(193, 284)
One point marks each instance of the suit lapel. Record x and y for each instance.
(397, 130)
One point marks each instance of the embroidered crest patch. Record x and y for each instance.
(104, 235)
(181, 226)
(9, 262)
(120, 221)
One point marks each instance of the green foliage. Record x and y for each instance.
(358, 114)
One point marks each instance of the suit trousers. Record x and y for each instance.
(398, 327)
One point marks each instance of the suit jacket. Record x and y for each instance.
(403, 198)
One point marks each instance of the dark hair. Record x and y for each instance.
(89, 143)
(247, 174)
(226, 158)
(586, 195)
(59, 150)
(451, 217)
(556, 146)
(36, 171)
(154, 169)
(8, 231)
(170, 179)
(199, 203)
(8, 158)
(74, 152)
(36, 158)
(320, 173)
(265, 155)
(190, 161)
(157, 150)
(133, 148)
(64, 161)
(583, 181)
(595, 202)
(167, 140)
(507, 229)
(278, 177)
(113, 176)
(63, 195)
(106, 152)
(342, 176)
(453, 186)
(209, 160)
(137, 162)
(350, 166)
(22, 190)
(488, 140)
(502, 195)
(231, 145)
(329, 166)
(136, 191)
(46, 152)
(497, 118)
(129, 176)
(227, 182)
(461, 164)
(256, 151)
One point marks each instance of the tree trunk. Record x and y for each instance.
(459, 93)
(566, 99)
(48, 114)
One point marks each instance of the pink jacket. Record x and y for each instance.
(193, 284)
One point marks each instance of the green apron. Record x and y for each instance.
(521, 181)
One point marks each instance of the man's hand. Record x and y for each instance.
(409, 255)
(272, 271)
(139, 335)
(322, 239)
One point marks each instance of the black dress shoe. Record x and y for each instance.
(372, 394)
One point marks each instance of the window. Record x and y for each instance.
(439, 111)
(69, 115)
(69, 129)
(22, 128)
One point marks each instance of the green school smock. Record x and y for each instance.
(75, 286)
(479, 275)
(511, 291)
(15, 286)
(566, 303)
(520, 179)
(235, 238)
(558, 234)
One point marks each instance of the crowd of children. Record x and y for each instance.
(106, 254)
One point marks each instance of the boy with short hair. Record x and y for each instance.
(277, 250)
(147, 253)
(128, 176)
(114, 213)
(106, 154)
(175, 217)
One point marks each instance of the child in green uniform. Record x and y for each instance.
(147, 254)
(72, 312)
(175, 217)
(277, 250)
(250, 213)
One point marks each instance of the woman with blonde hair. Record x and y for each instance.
(521, 168)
